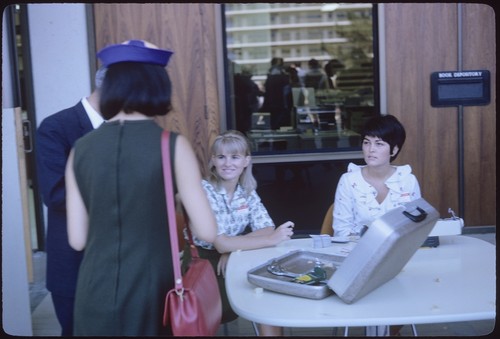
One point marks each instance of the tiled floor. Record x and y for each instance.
(45, 322)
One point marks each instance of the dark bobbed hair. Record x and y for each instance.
(135, 87)
(389, 129)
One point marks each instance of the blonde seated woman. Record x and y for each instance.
(243, 222)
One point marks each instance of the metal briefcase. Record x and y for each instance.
(383, 250)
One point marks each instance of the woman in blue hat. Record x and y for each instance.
(116, 202)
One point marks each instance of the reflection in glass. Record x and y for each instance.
(301, 75)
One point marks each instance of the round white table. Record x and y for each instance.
(455, 281)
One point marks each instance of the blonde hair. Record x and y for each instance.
(235, 142)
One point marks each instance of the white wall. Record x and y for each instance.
(60, 56)
(16, 318)
(61, 74)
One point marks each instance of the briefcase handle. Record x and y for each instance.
(416, 218)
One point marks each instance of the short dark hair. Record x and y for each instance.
(133, 86)
(388, 128)
(277, 61)
(313, 63)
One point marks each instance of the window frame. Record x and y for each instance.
(228, 120)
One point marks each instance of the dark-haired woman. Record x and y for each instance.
(367, 192)
(116, 199)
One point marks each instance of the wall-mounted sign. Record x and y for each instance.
(454, 88)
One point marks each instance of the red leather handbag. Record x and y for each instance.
(193, 307)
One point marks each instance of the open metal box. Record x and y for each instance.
(384, 250)
(379, 256)
(296, 263)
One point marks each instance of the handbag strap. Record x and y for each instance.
(192, 246)
(169, 195)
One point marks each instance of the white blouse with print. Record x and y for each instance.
(355, 199)
(232, 218)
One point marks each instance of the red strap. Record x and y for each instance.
(169, 195)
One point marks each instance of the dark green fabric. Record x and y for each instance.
(212, 256)
(127, 266)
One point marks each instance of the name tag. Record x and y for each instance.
(405, 197)
(241, 206)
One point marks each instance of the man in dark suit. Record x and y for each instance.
(278, 95)
(55, 137)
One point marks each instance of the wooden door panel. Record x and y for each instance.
(413, 33)
(421, 39)
(189, 31)
(479, 49)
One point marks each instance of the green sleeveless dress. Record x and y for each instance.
(127, 265)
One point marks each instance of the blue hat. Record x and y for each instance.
(134, 51)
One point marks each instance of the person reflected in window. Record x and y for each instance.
(278, 95)
(116, 199)
(332, 69)
(296, 75)
(365, 193)
(315, 77)
(246, 99)
(243, 222)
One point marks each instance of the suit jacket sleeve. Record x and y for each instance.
(54, 140)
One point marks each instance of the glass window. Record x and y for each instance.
(301, 76)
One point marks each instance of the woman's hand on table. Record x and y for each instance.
(283, 232)
(222, 264)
